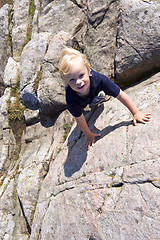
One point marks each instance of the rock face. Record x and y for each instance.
(50, 186)
(138, 45)
(110, 191)
(4, 42)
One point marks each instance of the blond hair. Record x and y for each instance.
(68, 54)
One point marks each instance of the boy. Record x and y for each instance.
(83, 84)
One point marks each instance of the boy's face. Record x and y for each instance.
(78, 78)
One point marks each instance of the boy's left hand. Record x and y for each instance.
(141, 117)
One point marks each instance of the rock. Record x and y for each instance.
(21, 30)
(4, 42)
(33, 170)
(4, 108)
(51, 91)
(11, 73)
(54, 16)
(10, 211)
(31, 62)
(50, 186)
(82, 182)
(31, 116)
(99, 40)
(138, 36)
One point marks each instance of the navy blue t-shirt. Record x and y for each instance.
(98, 82)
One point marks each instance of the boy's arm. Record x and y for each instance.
(137, 115)
(90, 137)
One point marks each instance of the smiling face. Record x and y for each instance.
(78, 78)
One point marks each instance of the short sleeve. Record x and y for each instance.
(74, 108)
(106, 84)
(72, 104)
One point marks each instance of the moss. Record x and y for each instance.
(9, 38)
(16, 109)
(28, 33)
(29, 27)
(31, 8)
(3, 2)
(16, 118)
(67, 129)
(37, 80)
(9, 2)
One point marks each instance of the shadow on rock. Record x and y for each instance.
(30, 100)
(47, 120)
(111, 128)
(77, 152)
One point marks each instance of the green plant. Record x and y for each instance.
(15, 108)
(31, 8)
(29, 32)
(66, 128)
(37, 80)
(9, 2)
(2, 2)
(16, 118)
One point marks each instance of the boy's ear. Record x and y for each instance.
(90, 73)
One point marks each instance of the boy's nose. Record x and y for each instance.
(78, 81)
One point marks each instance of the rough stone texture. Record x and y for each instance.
(138, 45)
(50, 186)
(4, 42)
(99, 40)
(109, 189)
(55, 15)
(31, 64)
(21, 21)
(11, 73)
(51, 90)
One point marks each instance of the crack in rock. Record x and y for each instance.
(138, 52)
(26, 220)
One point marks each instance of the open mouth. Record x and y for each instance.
(81, 87)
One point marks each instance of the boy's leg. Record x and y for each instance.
(102, 97)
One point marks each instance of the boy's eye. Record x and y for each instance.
(72, 79)
(81, 75)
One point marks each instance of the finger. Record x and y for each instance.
(97, 135)
(134, 122)
(141, 121)
(88, 144)
(146, 119)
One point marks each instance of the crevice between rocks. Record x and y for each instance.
(26, 220)
(77, 4)
(138, 52)
(66, 189)
(99, 19)
(141, 182)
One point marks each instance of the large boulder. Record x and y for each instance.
(31, 63)
(41, 85)
(138, 45)
(99, 39)
(111, 189)
(51, 187)
(51, 90)
(56, 14)
(22, 29)
(11, 73)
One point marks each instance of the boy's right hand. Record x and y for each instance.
(90, 139)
